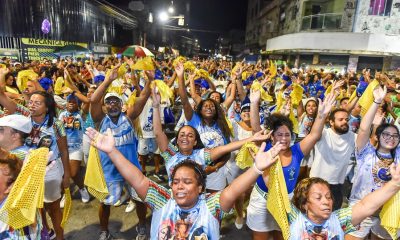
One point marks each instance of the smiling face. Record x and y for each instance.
(311, 108)
(185, 187)
(341, 122)
(216, 97)
(319, 203)
(37, 105)
(186, 139)
(113, 106)
(208, 110)
(389, 138)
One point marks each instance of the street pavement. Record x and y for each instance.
(83, 223)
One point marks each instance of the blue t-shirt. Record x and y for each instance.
(211, 136)
(290, 172)
(73, 127)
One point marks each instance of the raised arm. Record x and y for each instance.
(219, 151)
(254, 110)
(134, 111)
(232, 94)
(373, 201)
(307, 144)
(365, 126)
(96, 110)
(187, 109)
(196, 97)
(263, 160)
(161, 138)
(129, 172)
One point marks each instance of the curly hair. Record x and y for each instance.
(302, 191)
(277, 120)
(219, 117)
(201, 175)
(13, 164)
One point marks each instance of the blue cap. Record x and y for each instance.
(259, 74)
(158, 75)
(285, 77)
(99, 79)
(45, 83)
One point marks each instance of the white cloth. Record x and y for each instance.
(332, 156)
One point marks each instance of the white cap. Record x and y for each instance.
(54, 61)
(17, 122)
(112, 94)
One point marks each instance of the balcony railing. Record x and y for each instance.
(322, 21)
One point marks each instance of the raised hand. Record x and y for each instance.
(261, 136)
(179, 70)
(265, 159)
(336, 85)
(114, 72)
(255, 96)
(325, 107)
(102, 142)
(379, 94)
(156, 97)
(150, 74)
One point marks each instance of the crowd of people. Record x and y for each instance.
(335, 136)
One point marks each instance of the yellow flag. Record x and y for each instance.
(297, 94)
(27, 194)
(390, 216)
(201, 73)
(189, 66)
(367, 98)
(94, 178)
(178, 60)
(272, 69)
(67, 207)
(244, 158)
(264, 94)
(278, 201)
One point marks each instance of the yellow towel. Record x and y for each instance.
(24, 76)
(94, 178)
(201, 73)
(165, 91)
(278, 201)
(272, 69)
(264, 94)
(367, 98)
(143, 64)
(390, 216)
(244, 158)
(67, 207)
(296, 94)
(177, 60)
(27, 194)
(189, 66)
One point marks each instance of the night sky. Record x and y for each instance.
(211, 15)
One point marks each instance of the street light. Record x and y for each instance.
(163, 16)
(171, 9)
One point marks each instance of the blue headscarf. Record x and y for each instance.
(45, 83)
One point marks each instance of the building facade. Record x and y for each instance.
(350, 33)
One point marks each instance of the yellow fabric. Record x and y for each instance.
(201, 73)
(297, 94)
(165, 91)
(353, 95)
(272, 69)
(367, 98)
(122, 70)
(58, 86)
(24, 76)
(143, 64)
(2, 65)
(177, 60)
(189, 66)
(67, 207)
(27, 194)
(136, 123)
(278, 201)
(280, 103)
(230, 126)
(244, 158)
(245, 75)
(12, 90)
(390, 216)
(256, 85)
(94, 178)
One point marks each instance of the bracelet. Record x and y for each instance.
(378, 103)
(157, 106)
(257, 170)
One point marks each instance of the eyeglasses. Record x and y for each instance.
(388, 136)
(112, 101)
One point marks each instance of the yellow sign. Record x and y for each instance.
(50, 42)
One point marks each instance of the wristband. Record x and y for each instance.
(377, 102)
(257, 170)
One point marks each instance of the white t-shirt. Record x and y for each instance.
(146, 120)
(332, 156)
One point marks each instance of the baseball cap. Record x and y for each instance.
(17, 122)
(112, 94)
